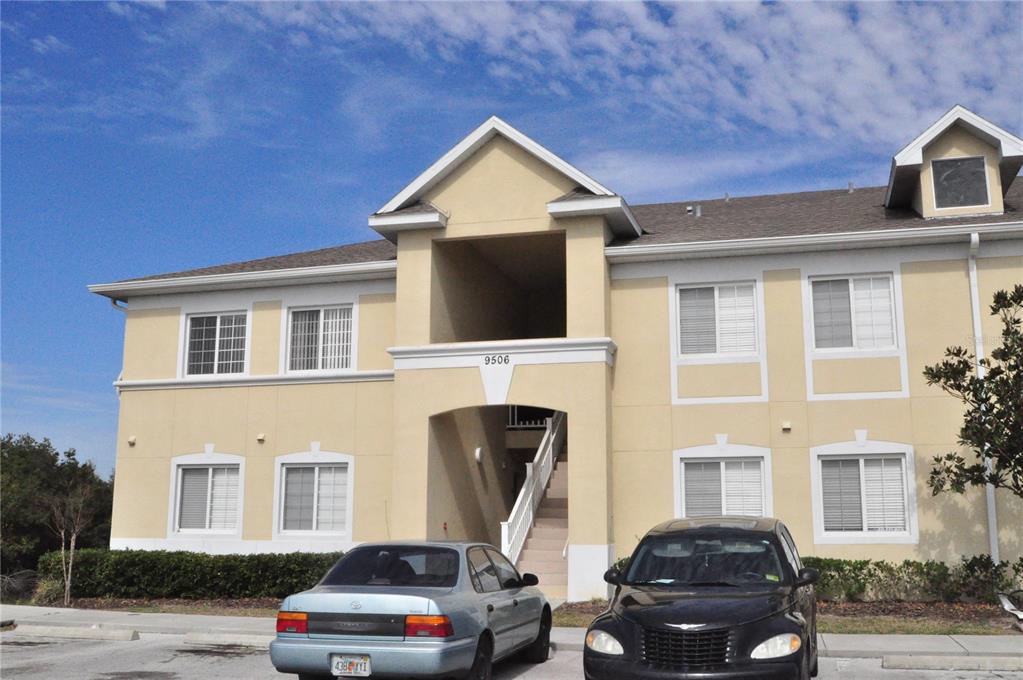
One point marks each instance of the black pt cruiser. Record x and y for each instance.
(709, 598)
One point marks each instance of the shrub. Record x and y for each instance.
(17, 586)
(181, 574)
(840, 579)
(48, 591)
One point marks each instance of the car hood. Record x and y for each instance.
(709, 607)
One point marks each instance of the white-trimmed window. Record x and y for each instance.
(207, 498)
(216, 343)
(314, 494)
(960, 182)
(863, 493)
(723, 479)
(717, 319)
(853, 312)
(320, 339)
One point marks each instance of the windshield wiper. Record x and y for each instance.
(711, 583)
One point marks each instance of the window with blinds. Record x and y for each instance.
(864, 494)
(315, 498)
(321, 339)
(723, 487)
(208, 497)
(855, 312)
(717, 319)
(216, 344)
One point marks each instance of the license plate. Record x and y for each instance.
(350, 665)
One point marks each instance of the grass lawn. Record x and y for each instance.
(885, 618)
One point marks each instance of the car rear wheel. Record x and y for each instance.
(483, 661)
(540, 648)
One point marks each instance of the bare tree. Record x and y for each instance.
(69, 515)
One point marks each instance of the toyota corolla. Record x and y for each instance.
(710, 598)
(413, 610)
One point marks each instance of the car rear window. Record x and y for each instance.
(395, 565)
(709, 559)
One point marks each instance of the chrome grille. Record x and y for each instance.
(678, 649)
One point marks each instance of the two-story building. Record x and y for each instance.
(526, 359)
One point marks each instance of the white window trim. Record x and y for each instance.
(987, 184)
(855, 350)
(200, 460)
(811, 353)
(353, 346)
(186, 321)
(862, 447)
(722, 451)
(679, 359)
(314, 456)
(718, 357)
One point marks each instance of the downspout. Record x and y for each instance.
(978, 349)
(113, 303)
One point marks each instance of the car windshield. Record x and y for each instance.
(395, 565)
(705, 559)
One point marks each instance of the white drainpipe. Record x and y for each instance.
(978, 349)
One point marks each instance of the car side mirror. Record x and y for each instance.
(530, 580)
(613, 576)
(807, 577)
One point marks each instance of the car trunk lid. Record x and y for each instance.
(341, 612)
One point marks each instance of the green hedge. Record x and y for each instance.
(181, 574)
(975, 579)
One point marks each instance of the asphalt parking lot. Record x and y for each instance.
(165, 657)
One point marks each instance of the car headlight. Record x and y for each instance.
(605, 643)
(779, 645)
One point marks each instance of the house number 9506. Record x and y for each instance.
(496, 359)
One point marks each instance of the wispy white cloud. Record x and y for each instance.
(48, 44)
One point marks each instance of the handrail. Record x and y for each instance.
(538, 475)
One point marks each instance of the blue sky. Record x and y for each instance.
(142, 138)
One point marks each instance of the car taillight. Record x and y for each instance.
(428, 626)
(292, 622)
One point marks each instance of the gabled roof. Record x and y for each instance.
(907, 161)
(465, 148)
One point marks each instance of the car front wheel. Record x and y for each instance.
(483, 661)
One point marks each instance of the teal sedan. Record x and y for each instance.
(413, 610)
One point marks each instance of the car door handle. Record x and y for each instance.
(490, 608)
(515, 603)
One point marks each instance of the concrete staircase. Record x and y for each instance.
(542, 553)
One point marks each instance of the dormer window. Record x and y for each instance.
(960, 182)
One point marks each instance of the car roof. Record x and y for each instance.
(426, 544)
(732, 522)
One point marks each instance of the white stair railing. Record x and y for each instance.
(538, 475)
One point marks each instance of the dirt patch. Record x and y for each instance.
(943, 611)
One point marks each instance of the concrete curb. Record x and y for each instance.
(80, 632)
(228, 640)
(566, 647)
(953, 663)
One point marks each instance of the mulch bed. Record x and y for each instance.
(591, 608)
(221, 604)
(944, 611)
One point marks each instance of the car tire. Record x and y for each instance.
(539, 649)
(804, 667)
(814, 669)
(483, 661)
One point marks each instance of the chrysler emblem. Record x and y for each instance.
(685, 626)
(356, 605)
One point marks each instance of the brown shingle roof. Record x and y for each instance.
(367, 251)
(811, 212)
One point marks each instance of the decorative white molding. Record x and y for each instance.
(614, 208)
(275, 277)
(388, 226)
(473, 141)
(253, 380)
(497, 359)
(721, 450)
(855, 449)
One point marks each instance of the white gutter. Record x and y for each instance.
(978, 349)
(275, 277)
(783, 244)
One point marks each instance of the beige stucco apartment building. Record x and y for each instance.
(525, 359)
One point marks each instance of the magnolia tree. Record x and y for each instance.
(992, 391)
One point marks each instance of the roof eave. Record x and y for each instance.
(389, 225)
(613, 208)
(361, 271)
